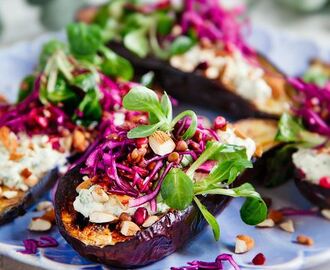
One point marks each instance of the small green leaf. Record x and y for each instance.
(181, 45)
(136, 41)
(85, 81)
(166, 106)
(90, 107)
(143, 131)
(211, 220)
(177, 189)
(147, 79)
(193, 124)
(48, 50)
(164, 24)
(61, 92)
(26, 88)
(253, 211)
(84, 39)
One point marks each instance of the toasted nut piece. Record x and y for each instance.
(267, 223)
(287, 226)
(149, 221)
(275, 215)
(125, 217)
(31, 181)
(44, 206)
(173, 157)
(0, 191)
(129, 228)
(14, 156)
(49, 215)
(305, 240)
(244, 243)
(9, 194)
(181, 146)
(102, 217)
(326, 213)
(79, 141)
(84, 185)
(161, 143)
(39, 225)
(26, 173)
(99, 195)
(212, 73)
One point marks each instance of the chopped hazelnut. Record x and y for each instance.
(79, 141)
(267, 223)
(305, 240)
(125, 217)
(244, 243)
(173, 157)
(275, 215)
(9, 194)
(181, 146)
(99, 195)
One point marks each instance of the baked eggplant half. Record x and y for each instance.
(195, 55)
(63, 108)
(144, 192)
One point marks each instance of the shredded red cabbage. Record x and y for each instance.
(314, 105)
(288, 211)
(216, 265)
(31, 245)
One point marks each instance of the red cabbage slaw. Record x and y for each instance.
(212, 21)
(31, 245)
(216, 265)
(108, 165)
(314, 105)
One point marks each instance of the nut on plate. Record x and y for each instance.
(287, 226)
(267, 223)
(244, 243)
(40, 225)
(305, 240)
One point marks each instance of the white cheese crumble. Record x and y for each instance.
(230, 137)
(38, 157)
(246, 79)
(87, 205)
(315, 164)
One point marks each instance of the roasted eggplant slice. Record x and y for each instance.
(312, 175)
(164, 237)
(10, 208)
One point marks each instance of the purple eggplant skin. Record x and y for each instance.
(29, 197)
(316, 194)
(161, 239)
(194, 87)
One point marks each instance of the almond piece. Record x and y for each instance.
(31, 181)
(275, 215)
(84, 185)
(149, 221)
(129, 228)
(9, 194)
(39, 225)
(44, 206)
(326, 213)
(79, 141)
(102, 217)
(244, 243)
(49, 215)
(161, 143)
(212, 73)
(267, 223)
(99, 195)
(305, 240)
(287, 226)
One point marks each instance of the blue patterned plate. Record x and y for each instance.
(292, 56)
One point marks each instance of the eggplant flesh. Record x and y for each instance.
(161, 239)
(195, 88)
(12, 208)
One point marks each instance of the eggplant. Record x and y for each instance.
(12, 208)
(161, 239)
(196, 89)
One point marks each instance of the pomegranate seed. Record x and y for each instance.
(220, 123)
(325, 181)
(140, 215)
(259, 259)
(140, 142)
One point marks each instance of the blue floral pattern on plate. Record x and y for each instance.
(289, 54)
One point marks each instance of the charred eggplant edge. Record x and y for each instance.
(161, 239)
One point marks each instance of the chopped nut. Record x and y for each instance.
(129, 228)
(84, 185)
(161, 143)
(326, 213)
(125, 217)
(49, 215)
(173, 157)
(181, 146)
(79, 141)
(31, 181)
(305, 240)
(39, 225)
(44, 206)
(267, 223)
(275, 215)
(26, 173)
(102, 217)
(0, 191)
(287, 226)
(14, 156)
(244, 243)
(99, 195)
(9, 194)
(212, 73)
(149, 221)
